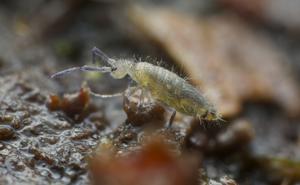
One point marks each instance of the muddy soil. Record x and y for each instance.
(52, 131)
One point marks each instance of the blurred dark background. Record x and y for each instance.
(244, 55)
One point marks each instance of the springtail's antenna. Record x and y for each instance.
(97, 52)
(105, 95)
(82, 68)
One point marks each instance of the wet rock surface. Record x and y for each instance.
(54, 132)
(41, 145)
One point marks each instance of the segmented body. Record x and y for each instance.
(170, 89)
(165, 86)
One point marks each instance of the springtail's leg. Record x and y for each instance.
(169, 125)
(141, 99)
(82, 68)
(97, 52)
(132, 90)
(132, 87)
(105, 95)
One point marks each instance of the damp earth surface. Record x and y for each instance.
(52, 131)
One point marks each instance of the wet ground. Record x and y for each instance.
(53, 132)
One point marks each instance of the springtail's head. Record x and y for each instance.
(119, 68)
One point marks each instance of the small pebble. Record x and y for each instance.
(6, 118)
(6, 132)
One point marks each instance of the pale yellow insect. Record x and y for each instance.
(164, 85)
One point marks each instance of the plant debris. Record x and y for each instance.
(74, 105)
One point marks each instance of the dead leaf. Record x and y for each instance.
(225, 58)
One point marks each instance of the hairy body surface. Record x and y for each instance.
(164, 85)
(172, 90)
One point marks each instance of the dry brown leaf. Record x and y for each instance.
(225, 58)
(283, 13)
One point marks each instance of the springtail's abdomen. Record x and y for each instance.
(168, 88)
(165, 86)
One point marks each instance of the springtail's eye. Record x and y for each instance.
(113, 69)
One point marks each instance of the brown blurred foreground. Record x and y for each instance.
(54, 132)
